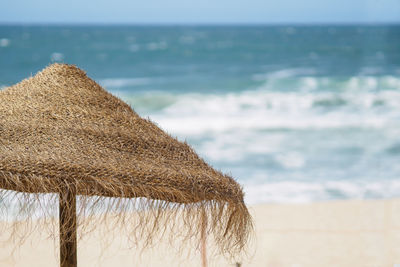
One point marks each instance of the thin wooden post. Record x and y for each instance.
(203, 249)
(203, 237)
(68, 241)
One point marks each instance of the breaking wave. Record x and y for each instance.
(292, 137)
(303, 192)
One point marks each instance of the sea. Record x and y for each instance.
(295, 113)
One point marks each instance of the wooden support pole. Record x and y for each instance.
(203, 239)
(68, 240)
(203, 249)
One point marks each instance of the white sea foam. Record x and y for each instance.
(4, 42)
(291, 160)
(284, 73)
(303, 80)
(113, 83)
(236, 146)
(157, 46)
(57, 56)
(303, 192)
(261, 109)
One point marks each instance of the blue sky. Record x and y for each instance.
(200, 11)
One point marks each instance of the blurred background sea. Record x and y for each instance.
(294, 113)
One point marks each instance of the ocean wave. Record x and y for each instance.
(284, 73)
(147, 102)
(260, 109)
(304, 192)
(315, 143)
(304, 80)
(115, 83)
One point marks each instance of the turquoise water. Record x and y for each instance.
(294, 113)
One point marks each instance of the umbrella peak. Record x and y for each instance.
(68, 72)
(62, 68)
(59, 77)
(64, 92)
(65, 75)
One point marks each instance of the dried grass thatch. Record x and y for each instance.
(60, 131)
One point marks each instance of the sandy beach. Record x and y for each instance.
(338, 233)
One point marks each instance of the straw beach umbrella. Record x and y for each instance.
(63, 134)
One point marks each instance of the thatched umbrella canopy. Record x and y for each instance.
(62, 133)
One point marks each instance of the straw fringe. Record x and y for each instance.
(144, 220)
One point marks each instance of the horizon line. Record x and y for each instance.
(199, 24)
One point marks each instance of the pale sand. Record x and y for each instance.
(341, 233)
